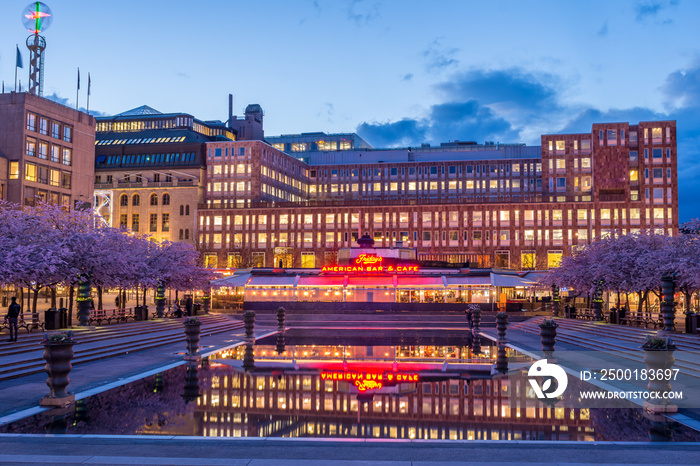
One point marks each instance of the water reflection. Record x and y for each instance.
(417, 392)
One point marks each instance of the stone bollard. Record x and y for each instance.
(281, 312)
(249, 322)
(160, 299)
(668, 289)
(192, 334)
(548, 336)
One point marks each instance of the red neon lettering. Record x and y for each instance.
(365, 259)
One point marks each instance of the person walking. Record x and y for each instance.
(12, 315)
(189, 304)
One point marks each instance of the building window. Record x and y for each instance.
(527, 260)
(66, 156)
(14, 170)
(308, 260)
(122, 220)
(135, 222)
(211, 261)
(68, 134)
(31, 122)
(153, 224)
(123, 200)
(31, 147)
(55, 130)
(30, 172)
(181, 236)
(154, 199)
(65, 180)
(182, 210)
(187, 210)
(55, 153)
(43, 150)
(136, 200)
(55, 179)
(166, 199)
(43, 126)
(165, 226)
(554, 259)
(187, 233)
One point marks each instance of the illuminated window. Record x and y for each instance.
(300, 147)
(165, 224)
(605, 214)
(554, 259)
(505, 216)
(557, 215)
(561, 164)
(14, 170)
(581, 214)
(656, 136)
(30, 147)
(527, 260)
(30, 172)
(560, 146)
(612, 137)
(308, 260)
(135, 222)
(55, 179)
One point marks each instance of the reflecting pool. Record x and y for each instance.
(398, 387)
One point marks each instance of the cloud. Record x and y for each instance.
(514, 105)
(603, 31)
(402, 133)
(407, 77)
(362, 12)
(438, 58)
(512, 87)
(64, 101)
(650, 10)
(182, 74)
(327, 111)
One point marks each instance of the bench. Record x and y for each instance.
(28, 320)
(108, 316)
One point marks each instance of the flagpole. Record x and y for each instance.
(77, 91)
(88, 96)
(16, 69)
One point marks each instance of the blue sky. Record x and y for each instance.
(398, 72)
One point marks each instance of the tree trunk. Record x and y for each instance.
(99, 297)
(123, 299)
(641, 297)
(71, 292)
(137, 295)
(53, 297)
(36, 299)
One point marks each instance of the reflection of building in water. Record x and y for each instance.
(299, 403)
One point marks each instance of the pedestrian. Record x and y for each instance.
(189, 304)
(12, 315)
(117, 302)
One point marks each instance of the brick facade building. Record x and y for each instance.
(493, 205)
(46, 151)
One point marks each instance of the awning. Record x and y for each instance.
(322, 281)
(510, 281)
(272, 281)
(419, 282)
(371, 282)
(469, 281)
(232, 281)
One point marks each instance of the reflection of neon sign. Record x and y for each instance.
(370, 380)
(364, 385)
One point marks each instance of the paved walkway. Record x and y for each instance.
(301, 452)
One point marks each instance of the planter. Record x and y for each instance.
(58, 358)
(192, 333)
(659, 360)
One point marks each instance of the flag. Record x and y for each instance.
(19, 59)
(88, 83)
(78, 78)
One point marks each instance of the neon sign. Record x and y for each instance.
(368, 259)
(370, 380)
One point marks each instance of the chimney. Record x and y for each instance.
(230, 111)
